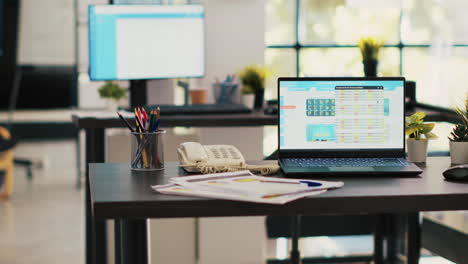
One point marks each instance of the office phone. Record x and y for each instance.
(195, 157)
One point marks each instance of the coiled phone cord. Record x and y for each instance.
(262, 169)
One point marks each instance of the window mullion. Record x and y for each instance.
(297, 45)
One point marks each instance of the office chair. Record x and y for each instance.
(7, 142)
(11, 72)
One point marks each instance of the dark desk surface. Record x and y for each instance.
(117, 192)
(111, 120)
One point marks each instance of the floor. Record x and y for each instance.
(43, 221)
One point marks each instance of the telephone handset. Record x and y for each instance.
(195, 157)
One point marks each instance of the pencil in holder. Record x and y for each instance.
(147, 150)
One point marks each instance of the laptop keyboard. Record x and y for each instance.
(345, 162)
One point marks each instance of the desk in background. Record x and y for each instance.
(446, 234)
(120, 194)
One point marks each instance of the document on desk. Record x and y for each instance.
(244, 186)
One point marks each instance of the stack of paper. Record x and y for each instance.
(245, 186)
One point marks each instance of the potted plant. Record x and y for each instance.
(415, 128)
(112, 93)
(370, 48)
(253, 79)
(459, 137)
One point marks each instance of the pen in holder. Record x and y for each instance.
(226, 92)
(147, 150)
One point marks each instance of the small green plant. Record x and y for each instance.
(111, 90)
(253, 78)
(370, 48)
(415, 127)
(460, 131)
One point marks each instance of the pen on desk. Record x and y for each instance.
(126, 122)
(289, 193)
(309, 183)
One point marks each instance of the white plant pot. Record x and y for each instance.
(112, 105)
(248, 100)
(459, 152)
(417, 150)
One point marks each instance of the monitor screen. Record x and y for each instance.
(341, 114)
(129, 42)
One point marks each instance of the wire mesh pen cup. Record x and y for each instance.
(147, 150)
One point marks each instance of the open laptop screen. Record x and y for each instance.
(341, 113)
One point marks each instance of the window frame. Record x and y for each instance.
(297, 46)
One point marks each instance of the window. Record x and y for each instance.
(425, 41)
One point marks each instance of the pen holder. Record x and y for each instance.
(226, 93)
(147, 150)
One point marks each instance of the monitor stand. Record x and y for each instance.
(138, 92)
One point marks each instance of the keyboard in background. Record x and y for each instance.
(201, 109)
(345, 162)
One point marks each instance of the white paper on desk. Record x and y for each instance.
(174, 189)
(247, 184)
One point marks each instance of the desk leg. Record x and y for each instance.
(379, 239)
(403, 238)
(131, 241)
(413, 236)
(295, 257)
(96, 244)
(391, 234)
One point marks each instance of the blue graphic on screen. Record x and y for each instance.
(321, 132)
(386, 106)
(320, 107)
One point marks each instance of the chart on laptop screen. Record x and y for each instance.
(354, 114)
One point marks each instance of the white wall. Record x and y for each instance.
(47, 32)
(235, 37)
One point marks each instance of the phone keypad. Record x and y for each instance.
(225, 153)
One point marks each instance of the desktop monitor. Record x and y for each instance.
(132, 42)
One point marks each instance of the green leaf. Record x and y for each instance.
(411, 130)
(431, 135)
(419, 115)
(427, 127)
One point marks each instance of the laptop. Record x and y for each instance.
(342, 126)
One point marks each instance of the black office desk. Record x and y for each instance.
(95, 125)
(120, 194)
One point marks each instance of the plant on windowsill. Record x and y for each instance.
(112, 93)
(370, 48)
(253, 79)
(459, 137)
(418, 134)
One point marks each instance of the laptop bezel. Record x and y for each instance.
(343, 153)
